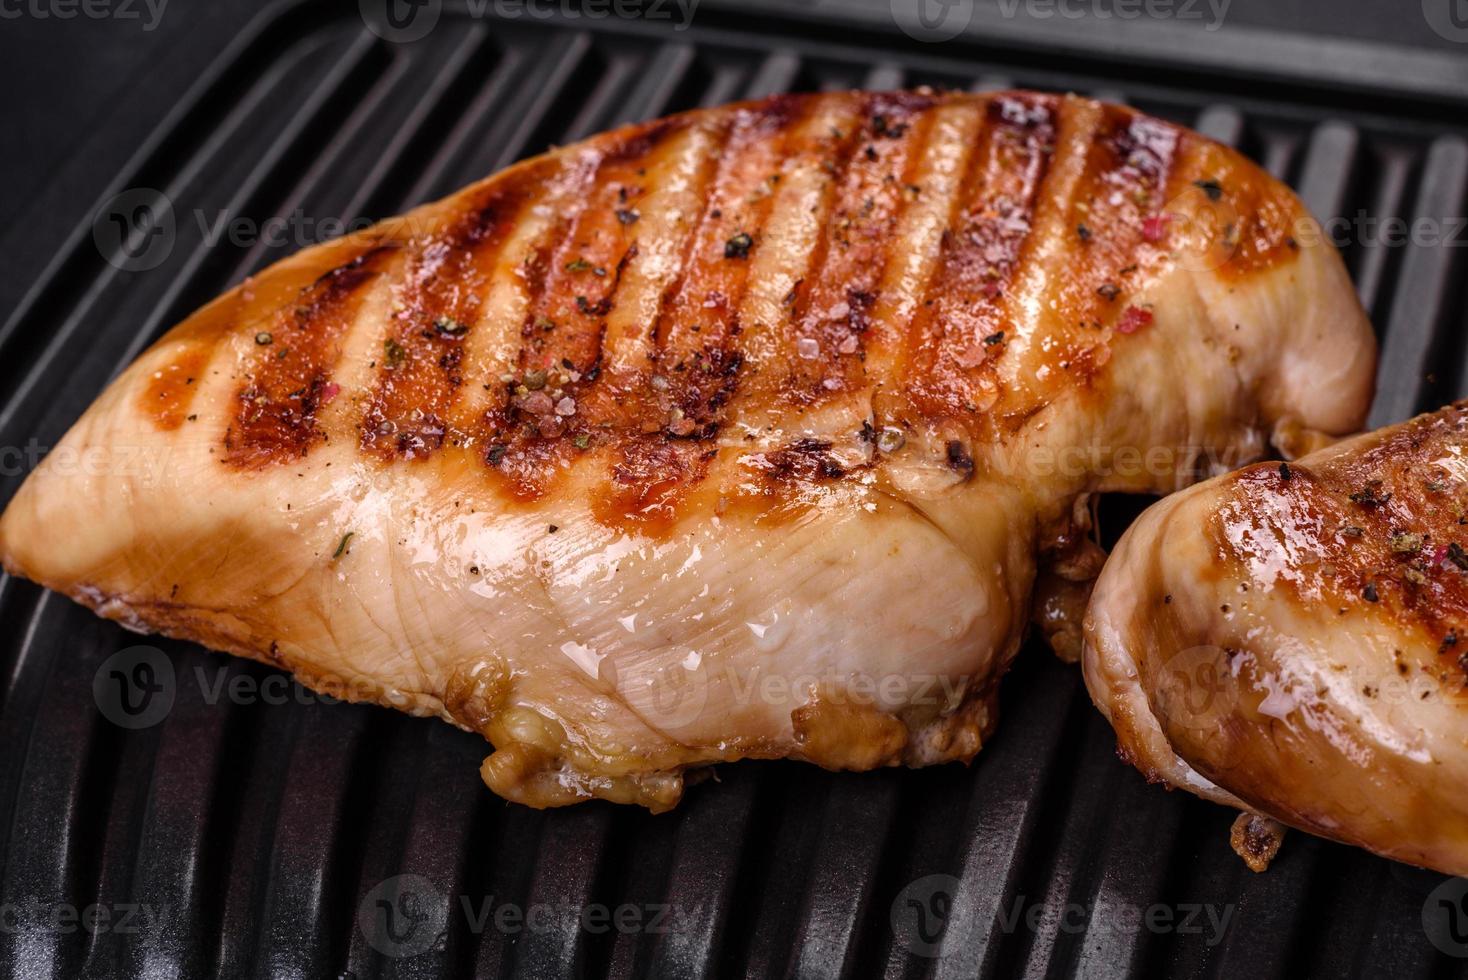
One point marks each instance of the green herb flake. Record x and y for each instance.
(394, 353)
(577, 265)
(450, 327)
(341, 548)
(1406, 544)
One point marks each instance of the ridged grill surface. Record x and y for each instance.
(255, 832)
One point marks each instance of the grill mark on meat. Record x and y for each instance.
(961, 330)
(680, 271)
(663, 450)
(1382, 528)
(435, 308)
(290, 378)
(907, 281)
(1114, 216)
(523, 434)
(833, 305)
(819, 147)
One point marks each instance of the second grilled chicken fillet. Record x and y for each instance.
(736, 434)
(1292, 640)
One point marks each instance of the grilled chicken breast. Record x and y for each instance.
(741, 433)
(1293, 640)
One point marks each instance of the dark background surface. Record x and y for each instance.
(266, 825)
(64, 79)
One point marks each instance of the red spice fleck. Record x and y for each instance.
(1155, 228)
(329, 391)
(1439, 556)
(1133, 318)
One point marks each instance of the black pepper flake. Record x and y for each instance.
(738, 247)
(496, 453)
(1212, 188)
(1167, 599)
(1369, 593)
(1371, 495)
(959, 460)
(995, 338)
(553, 528)
(1285, 473)
(1109, 291)
(1458, 556)
(449, 327)
(1083, 232)
(627, 215)
(882, 127)
(1449, 641)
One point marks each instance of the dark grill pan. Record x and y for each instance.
(253, 838)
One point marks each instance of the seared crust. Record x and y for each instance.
(1291, 639)
(796, 390)
(648, 329)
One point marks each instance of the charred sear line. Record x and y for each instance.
(275, 416)
(697, 229)
(831, 307)
(808, 460)
(650, 476)
(961, 328)
(435, 308)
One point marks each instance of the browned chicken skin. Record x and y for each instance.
(1293, 640)
(735, 434)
